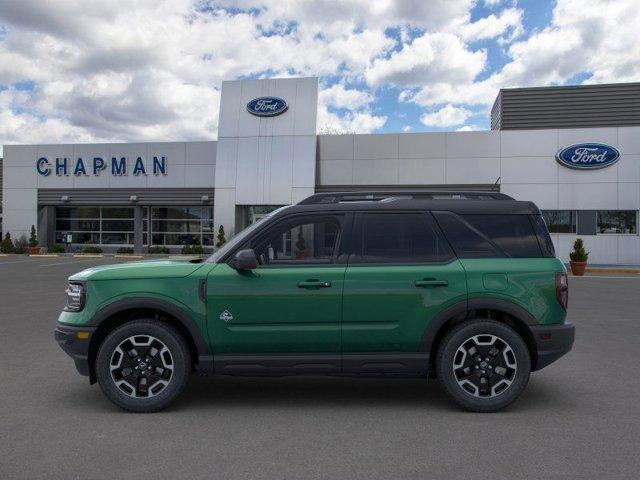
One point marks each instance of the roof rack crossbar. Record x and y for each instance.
(377, 196)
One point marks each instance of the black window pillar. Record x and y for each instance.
(138, 224)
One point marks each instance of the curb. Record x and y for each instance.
(88, 255)
(45, 255)
(128, 256)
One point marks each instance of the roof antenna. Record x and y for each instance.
(497, 182)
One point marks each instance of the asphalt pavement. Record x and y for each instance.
(578, 418)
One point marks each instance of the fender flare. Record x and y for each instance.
(183, 317)
(476, 303)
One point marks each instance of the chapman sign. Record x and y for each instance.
(588, 156)
(118, 166)
(267, 106)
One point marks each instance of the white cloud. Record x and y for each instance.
(509, 22)
(447, 116)
(340, 97)
(433, 57)
(407, 128)
(469, 128)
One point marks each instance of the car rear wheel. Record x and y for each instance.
(143, 365)
(483, 365)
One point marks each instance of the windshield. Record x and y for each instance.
(240, 237)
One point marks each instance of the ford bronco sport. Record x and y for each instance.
(461, 286)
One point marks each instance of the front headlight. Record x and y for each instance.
(75, 297)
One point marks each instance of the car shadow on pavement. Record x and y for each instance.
(222, 392)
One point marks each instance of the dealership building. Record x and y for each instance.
(574, 151)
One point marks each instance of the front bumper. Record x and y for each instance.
(552, 341)
(75, 342)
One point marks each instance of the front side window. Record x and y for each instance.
(305, 240)
(560, 221)
(400, 238)
(618, 221)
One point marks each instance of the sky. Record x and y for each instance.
(77, 71)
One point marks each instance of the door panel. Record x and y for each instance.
(387, 308)
(268, 312)
(401, 275)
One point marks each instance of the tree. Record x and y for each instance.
(221, 237)
(33, 238)
(7, 244)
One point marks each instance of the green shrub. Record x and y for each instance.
(125, 250)
(192, 250)
(7, 244)
(221, 239)
(33, 238)
(20, 245)
(579, 254)
(91, 249)
(57, 248)
(155, 249)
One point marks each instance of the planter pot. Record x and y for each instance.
(301, 254)
(33, 250)
(578, 268)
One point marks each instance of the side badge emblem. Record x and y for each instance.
(226, 316)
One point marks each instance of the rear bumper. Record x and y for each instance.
(552, 342)
(74, 346)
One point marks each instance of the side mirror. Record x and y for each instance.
(246, 260)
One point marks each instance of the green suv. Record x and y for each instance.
(458, 285)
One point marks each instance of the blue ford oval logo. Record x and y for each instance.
(267, 106)
(588, 156)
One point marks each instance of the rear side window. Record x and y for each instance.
(489, 235)
(544, 239)
(399, 238)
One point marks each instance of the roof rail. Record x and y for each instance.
(379, 196)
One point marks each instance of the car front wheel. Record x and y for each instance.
(143, 365)
(483, 365)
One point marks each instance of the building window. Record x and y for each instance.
(560, 221)
(182, 226)
(95, 225)
(618, 222)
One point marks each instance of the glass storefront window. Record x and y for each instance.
(618, 222)
(95, 225)
(189, 225)
(560, 221)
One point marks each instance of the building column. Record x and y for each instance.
(46, 227)
(138, 215)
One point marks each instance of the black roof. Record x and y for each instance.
(457, 202)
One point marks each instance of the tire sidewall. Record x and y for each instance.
(181, 359)
(454, 339)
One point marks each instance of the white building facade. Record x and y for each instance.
(268, 155)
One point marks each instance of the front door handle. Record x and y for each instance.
(314, 284)
(431, 282)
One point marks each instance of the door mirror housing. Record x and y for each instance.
(246, 260)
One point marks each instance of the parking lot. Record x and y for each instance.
(579, 418)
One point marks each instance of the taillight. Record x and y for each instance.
(562, 290)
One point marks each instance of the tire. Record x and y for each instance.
(460, 368)
(143, 365)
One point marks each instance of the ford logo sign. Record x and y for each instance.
(267, 106)
(588, 156)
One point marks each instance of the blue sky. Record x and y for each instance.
(77, 71)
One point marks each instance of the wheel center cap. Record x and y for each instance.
(483, 364)
(143, 365)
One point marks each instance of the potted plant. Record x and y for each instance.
(33, 249)
(578, 257)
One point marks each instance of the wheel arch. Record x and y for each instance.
(503, 311)
(122, 311)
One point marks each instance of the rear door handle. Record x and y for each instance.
(431, 282)
(314, 284)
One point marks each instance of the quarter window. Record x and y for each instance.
(400, 238)
(513, 234)
(618, 221)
